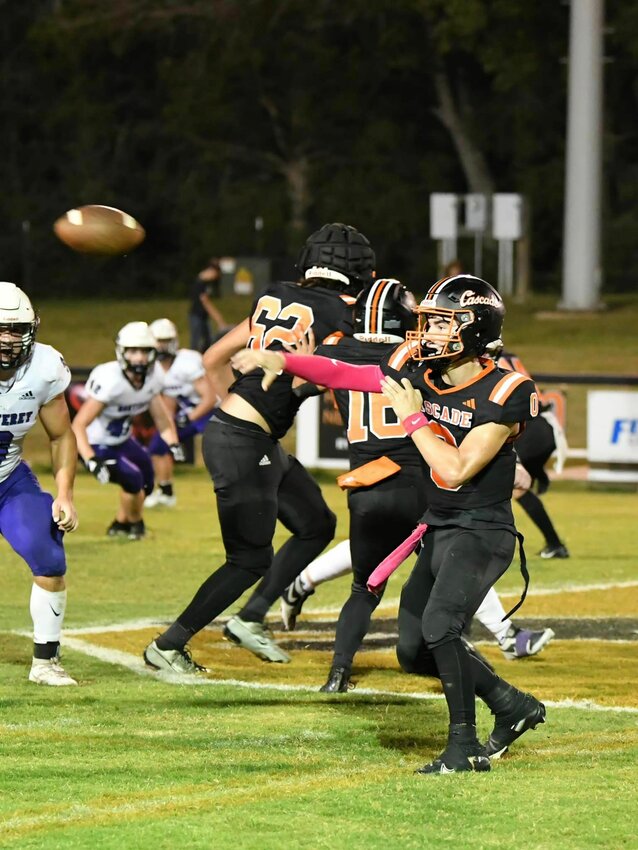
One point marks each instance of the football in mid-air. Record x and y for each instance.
(96, 229)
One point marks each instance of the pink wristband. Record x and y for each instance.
(414, 422)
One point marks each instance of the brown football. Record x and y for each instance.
(95, 229)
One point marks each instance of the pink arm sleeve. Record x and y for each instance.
(333, 373)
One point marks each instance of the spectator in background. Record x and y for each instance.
(202, 310)
(453, 268)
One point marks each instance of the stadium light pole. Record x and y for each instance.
(582, 272)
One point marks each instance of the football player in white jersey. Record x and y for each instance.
(190, 398)
(117, 391)
(33, 378)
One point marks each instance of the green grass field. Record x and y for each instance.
(253, 757)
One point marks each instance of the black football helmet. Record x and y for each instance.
(338, 252)
(474, 314)
(384, 312)
(18, 326)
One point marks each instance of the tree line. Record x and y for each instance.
(208, 118)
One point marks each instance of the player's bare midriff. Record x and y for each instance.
(237, 406)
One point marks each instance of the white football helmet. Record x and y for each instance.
(165, 333)
(18, 326)
(135, 335)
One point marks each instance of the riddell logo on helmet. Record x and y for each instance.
(470, 298)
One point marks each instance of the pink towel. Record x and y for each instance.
(396, 558)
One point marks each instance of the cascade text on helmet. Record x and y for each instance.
(473, 312)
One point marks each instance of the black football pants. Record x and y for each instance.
(381, 517)
(455, 569)
(256, 483)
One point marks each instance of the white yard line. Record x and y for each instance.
(135, 664)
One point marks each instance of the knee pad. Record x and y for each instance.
(441, 626)
(417, 660)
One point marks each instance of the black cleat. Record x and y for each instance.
(338, 681)
(559, 551)
(526, 713)
(119, 529)
(458, 757)
(137, 530)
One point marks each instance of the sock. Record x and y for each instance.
(353, 625)
(462, 733)
(535, 509)
(166, 487)
(491, 613)
(456, 673)
(331, 564)
(175, 637)
(302, 584)
(46, 651)
(47, 612)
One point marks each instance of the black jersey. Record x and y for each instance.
(277, 313)
(372, 427)
(494, 395)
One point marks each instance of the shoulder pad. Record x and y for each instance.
(504, 388)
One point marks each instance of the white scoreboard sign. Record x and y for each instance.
(612, 435)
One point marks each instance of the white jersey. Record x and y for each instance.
(108, 384)
(44, 376)
(179, 379)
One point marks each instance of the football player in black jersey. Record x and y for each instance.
(382, 511)
(256, 482)
(463, 414)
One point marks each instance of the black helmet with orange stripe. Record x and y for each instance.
(459, 318)
(384, 312)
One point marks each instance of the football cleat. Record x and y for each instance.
(559, 551)
(256, 638)
(137, 531)
(49, 671)
(158, 498)
(526, 712)
(338, 681)
(172, 660)
(291, 603)
(458, 757)
(118, 529)
(521, 643)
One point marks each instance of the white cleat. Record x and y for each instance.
(49, 671)
(256, 638)
(158, 498)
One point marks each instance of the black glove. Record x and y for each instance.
(182, 419)
(177, 450)
(102, 469)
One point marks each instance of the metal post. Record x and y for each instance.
(581, 255)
